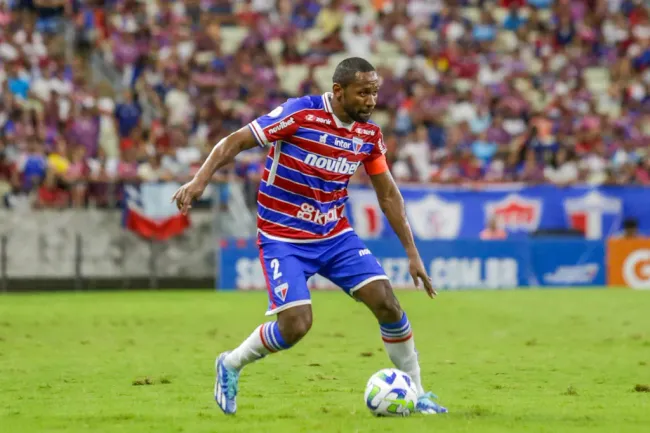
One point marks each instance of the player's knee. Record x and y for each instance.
(294, 325)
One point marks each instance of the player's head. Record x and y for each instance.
(355, 88)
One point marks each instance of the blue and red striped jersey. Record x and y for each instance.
(312, 157)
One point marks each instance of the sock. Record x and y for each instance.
(400, 346)
(264, 340)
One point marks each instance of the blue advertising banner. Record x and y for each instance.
(452, 265)
(438, 212)
(567, 262)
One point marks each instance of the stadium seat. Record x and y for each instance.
(291, 76)
(232, 37)
(323, 76)
(472, 14)
(274, 47)
(597, 79)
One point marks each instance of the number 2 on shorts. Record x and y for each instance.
(275, 265)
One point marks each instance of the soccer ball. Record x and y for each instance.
(391, 392)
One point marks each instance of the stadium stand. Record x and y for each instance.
(94, 93)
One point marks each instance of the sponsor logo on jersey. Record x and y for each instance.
(340, 165)
(364, 131)
(312, 118)
(281, 291)
(364, 252)
(323, 139)
(358, 144)
(343, 144)
(283, 124)
(516, 213)
(572, 274)
(309, 213)
(382, 147)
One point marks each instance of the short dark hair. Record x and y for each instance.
(630, 224)
(346, 71)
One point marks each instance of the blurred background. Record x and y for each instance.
(507, 123)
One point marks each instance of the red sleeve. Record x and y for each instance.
(376, 162)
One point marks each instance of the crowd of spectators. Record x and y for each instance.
(484, 91)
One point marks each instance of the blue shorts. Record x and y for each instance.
(343, 259)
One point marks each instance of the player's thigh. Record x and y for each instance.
(351, 265)
(284, 273)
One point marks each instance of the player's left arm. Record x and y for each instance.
(391, 203)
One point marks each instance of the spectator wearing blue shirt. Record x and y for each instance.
(128, 114)
(485, 30)
(540, 4)
(513, 20)
(483, 149)
(17, 84)
(33, 166)
(482, 121)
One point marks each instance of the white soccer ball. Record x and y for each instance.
(391, 392)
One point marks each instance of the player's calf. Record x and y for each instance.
(295, 323)
(394, 326)
(271, 337)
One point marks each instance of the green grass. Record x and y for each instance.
(509, 361)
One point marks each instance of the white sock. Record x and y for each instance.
(264, 340)
(400, 346)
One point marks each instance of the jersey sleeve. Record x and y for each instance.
(376, 163)
(280, 123)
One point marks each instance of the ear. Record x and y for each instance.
(337, 91)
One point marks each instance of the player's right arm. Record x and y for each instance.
(223, 153)
(276, 125)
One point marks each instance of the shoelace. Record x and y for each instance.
(231, 387)
(430, 396)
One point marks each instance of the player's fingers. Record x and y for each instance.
(175, 195)
(427, 284)
(416, 280)
(187, 204)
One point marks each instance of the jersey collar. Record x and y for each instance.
(327, 105)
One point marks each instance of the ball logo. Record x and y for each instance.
(340, 165)
(636, 269)
(283, 124)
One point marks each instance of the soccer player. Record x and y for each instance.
(316, 144)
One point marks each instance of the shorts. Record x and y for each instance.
(343, 259)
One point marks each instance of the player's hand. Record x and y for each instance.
(417, 271)
(188, 193)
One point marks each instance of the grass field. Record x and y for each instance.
(510, 361)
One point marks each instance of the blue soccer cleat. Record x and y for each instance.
(225, 387)
(427, 405)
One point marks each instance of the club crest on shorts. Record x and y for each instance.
(358, 144)
(281, 291)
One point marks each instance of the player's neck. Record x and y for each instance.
(339, 112)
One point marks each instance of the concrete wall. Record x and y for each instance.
(42, 245)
